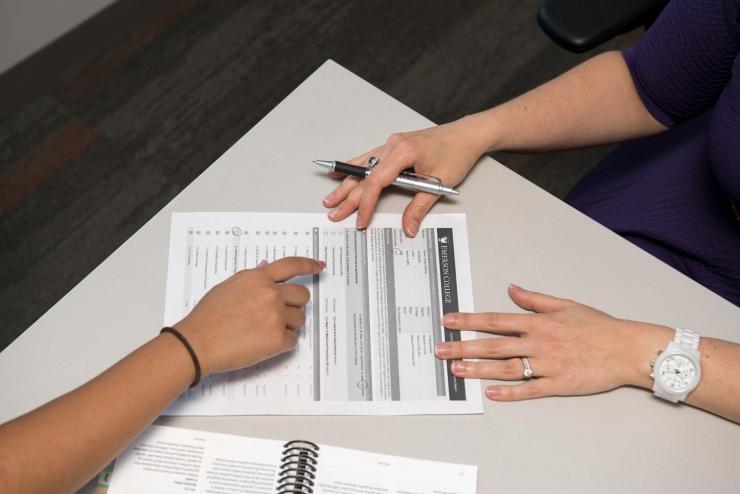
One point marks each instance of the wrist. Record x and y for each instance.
(476, 133)
(174, 357)
(644, 342)
(192, 331)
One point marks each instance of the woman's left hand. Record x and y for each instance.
(572, 349)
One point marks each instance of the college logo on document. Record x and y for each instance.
(443, 240)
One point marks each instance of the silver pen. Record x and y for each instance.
(406, 180)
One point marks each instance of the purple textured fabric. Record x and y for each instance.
(675, 194)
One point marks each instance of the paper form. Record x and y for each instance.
(371, 326)
(167, 460)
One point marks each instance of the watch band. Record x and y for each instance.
(687, 339)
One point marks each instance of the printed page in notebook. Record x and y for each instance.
(169, 460)
(374, 318)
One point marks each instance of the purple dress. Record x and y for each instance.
(677, 194)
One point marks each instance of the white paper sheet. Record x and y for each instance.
(168, 460)
(367, 347)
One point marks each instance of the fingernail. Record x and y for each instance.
(333, 213)
(458, 366)
(449, 319)
(515, 287)
(413, 228)
(262, 263)
(493, 392)
(328, 198)
(322, 265)
(442, 350)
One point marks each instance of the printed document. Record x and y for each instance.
(168, 460)
(371, 326)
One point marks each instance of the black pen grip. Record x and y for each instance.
(357, 171)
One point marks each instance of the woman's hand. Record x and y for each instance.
(573, 349)
(447, 151)
(249, 317)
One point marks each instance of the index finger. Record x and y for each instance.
(491, 322)
(290, 267)
(360, 160)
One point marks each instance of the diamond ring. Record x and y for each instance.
(528, 372)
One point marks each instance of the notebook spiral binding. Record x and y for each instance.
(297, 474)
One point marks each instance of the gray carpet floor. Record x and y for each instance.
(85, 163)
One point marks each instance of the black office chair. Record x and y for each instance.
(580, 25)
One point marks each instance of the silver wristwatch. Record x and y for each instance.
(676, 370)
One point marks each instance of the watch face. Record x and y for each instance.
(677, 373)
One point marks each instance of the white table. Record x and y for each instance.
(623, 441)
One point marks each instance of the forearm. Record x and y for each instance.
(593, 103)
(61, 445)
(719, 388)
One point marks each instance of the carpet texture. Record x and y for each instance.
(87, 162)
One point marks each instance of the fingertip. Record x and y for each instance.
(458, 367)
(262, 263)
(442, 350)
(494, 392)
(450, 319)
(412, 227)
(361, 223)
(517, 293)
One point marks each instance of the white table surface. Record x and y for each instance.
(622, 441)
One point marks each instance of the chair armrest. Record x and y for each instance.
(580, 25)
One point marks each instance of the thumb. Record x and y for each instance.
(537, 302)
(416, 210)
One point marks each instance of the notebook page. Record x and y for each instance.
(348, 471)
(170, 460)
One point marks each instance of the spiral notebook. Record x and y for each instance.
(173, 460)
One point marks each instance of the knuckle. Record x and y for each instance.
(417, 207)
(405, 148)
(275, 320)
(491, 347)
(301, 319)
(289, 340)
(556, 366)
(271, 294)
(305, 293)
(491, 320)
(534, 388)
(395, 138)
(511, 368)
(549, 323)
(457, 349)
(373, 181)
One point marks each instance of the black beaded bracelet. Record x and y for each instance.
(190, 350)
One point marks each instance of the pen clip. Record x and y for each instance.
(427, 178)
(372, 162)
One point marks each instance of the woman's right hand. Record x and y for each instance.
(448, 151)
(249, 317)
